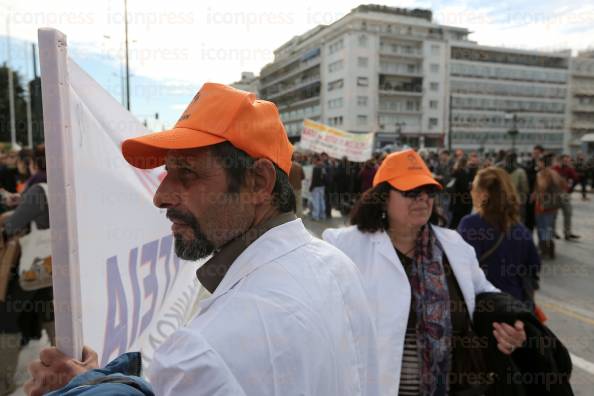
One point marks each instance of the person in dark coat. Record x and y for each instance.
(460, 200)
(503, 245)
(541, 367)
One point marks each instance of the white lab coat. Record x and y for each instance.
(388, 288)
(290, 317)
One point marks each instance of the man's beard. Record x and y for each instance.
(193, 249)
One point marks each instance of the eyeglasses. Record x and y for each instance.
(431, 192)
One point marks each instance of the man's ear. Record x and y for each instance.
(263, 180)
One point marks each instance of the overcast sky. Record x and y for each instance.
(188, 42)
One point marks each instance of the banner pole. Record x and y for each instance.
(55, 90)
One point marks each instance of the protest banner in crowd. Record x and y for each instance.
(118, 285)
(320, 138)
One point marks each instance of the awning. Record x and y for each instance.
(588, 138)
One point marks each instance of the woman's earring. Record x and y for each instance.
(384, 215)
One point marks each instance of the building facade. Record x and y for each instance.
(249, 82)
(503, 98)
(412, 81)
(581, 101)
(378, 69)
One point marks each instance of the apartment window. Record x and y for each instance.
(362, 61)
(335, 46)
(411, 68)
(335, 103)
(337, 84)
(361, 120)
(334, 121)
(432, 123)
(434, 68)
(434, 86)
(335, 66)
(433, 104)
(362, 81)
(362, 101)
(435, 49)
(363, 41)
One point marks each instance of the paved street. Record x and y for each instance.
(567, 290)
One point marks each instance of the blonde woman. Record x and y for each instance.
(503, 245)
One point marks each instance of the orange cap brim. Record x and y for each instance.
(407, 182)
(148, 151)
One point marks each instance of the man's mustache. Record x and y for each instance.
(177, 215)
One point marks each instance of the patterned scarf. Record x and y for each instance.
(431, 301)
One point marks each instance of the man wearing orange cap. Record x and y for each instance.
(287, 315)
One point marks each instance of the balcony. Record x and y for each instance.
(400, 89)
(582, 125)
(400, 71)
(293, 87)
(583, 90)
(301, 68)
(386, 50)
(580, 108)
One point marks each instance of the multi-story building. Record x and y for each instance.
(399, 74)
(379, 69)
(581, 100)
(249, 82)
(502, 97)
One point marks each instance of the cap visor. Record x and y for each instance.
(412, 182)
(148, 151)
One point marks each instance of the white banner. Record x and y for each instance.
(112, 249)
(320, 138)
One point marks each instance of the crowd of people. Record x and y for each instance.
(406, 300)
(337, 183)
(24, 313)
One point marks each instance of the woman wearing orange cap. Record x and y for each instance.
(421, 282)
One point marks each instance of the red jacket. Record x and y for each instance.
(569, 174)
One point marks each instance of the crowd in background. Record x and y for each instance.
(337, 183)
(23, 313)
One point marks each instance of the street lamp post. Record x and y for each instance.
(513, 131)
(398, 133)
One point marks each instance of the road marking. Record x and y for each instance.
(565, 309)
(567, 312)
(582, 363)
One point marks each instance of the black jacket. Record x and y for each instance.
(542, 367)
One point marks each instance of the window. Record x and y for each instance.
(362, 101)
(363, 40)
(361, 120)
(362, 61)
(410, 105)
(435, 49)
(433, 104)
(335, 103)
(434, 67)
(335, 46)
(362, 81)
(337, 84)
(333, 121)
(434, 86)
(335, 66)
(432, 123)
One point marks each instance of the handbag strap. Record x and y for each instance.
(44, 188)
(489, 252)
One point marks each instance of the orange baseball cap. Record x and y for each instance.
(404, 170)
(217, 113)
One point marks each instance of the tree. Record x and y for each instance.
(20, 107)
